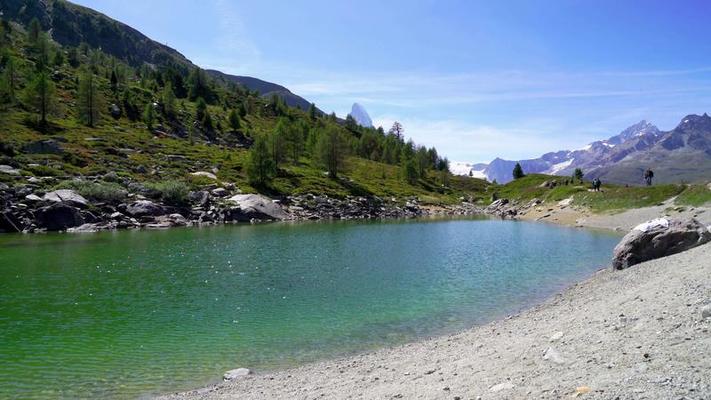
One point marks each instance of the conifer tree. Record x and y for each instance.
(40, 95)
(149, 116)
(169, 99)
(8, 82)
(518, 172)
(90, 101)
(331, 150)
(260, 168)
(235, 124)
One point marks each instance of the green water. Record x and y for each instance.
(129, 314)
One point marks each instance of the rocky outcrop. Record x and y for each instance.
(658, 238)
(66, 196)
(254, 207)
(144, 208)
(59, 217)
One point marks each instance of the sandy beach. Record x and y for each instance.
(632, 334)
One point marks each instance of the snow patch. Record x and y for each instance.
(480, 174)
(555, 168)
(649, 225)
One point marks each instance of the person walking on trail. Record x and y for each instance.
(597, 183)
(648, 175)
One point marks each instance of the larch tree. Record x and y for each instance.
(90, 101)
(41, 95)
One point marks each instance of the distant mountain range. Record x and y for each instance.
(682, 154)
(71, 25)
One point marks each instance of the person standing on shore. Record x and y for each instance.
(648, 175)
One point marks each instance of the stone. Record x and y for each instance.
(236, 373)
(115, 111)
(204, 174)
(706, 311)
(220, 192)
(556, 336)
(502, 386)
(6, 169)
(32, 198)
(66, 196)
(200, 198)
(566, 202)
(658, 238)
(255, 206)
(552, 355)
(59, 217)
(144, 208)
(48, 146)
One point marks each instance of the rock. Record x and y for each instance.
(144, 208)
(236, 373)
(220, 192)
(556, 336)
(552, 354)
(502, 386)
(201, 198)
(658, 238)
(66, 196)
(32, 198)
(6, 169)
(48, 146)
(59, 217)
(706, 311)
(254, 206)
(204, 174)
(566, 202)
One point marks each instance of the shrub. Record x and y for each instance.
(105, 192)
(173, 192)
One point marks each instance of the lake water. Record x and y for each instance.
(133, 313)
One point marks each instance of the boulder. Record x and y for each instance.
(66, 196)
(59, 217)
(254, 206)
(115, 111)
(204, 174)
(658, 238)
(144, 208)
(6, 169)
(48, 146)
(220, 192)
(200, 198)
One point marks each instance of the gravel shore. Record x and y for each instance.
(632, 334)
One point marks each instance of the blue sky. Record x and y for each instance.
(476, 79)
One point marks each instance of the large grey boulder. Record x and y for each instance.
(6, 169)
(658, 238)
(144, 208)
(66, 196)
(59, 217)
(254, 206)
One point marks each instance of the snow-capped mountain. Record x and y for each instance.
(361, 116)
(683, 153)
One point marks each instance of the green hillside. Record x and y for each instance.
(155, 123)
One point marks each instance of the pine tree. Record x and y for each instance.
(149, 116)
(578, 174)
(331, 150)
(8, 82)
(312, 111)
(114, 81)
(90, 100)
(518, 172)
(260, 168)
(199, 87)
(40, 95)
(235, 124)
(169, 99)
(33, 31)
(409, 169)
(397, 130)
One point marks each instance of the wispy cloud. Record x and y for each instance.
(233, 42)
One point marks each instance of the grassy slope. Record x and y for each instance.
(612, 198)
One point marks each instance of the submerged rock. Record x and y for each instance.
(658, 238)
(236, 373)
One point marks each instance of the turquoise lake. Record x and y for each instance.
(133, 313)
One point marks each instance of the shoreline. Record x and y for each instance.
(554, 346)
(636, 333)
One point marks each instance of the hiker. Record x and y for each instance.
(597, 183)
(648, 175)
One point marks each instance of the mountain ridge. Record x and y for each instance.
(680, 154)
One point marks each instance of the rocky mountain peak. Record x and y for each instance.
(361, 116)
(639, 129)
